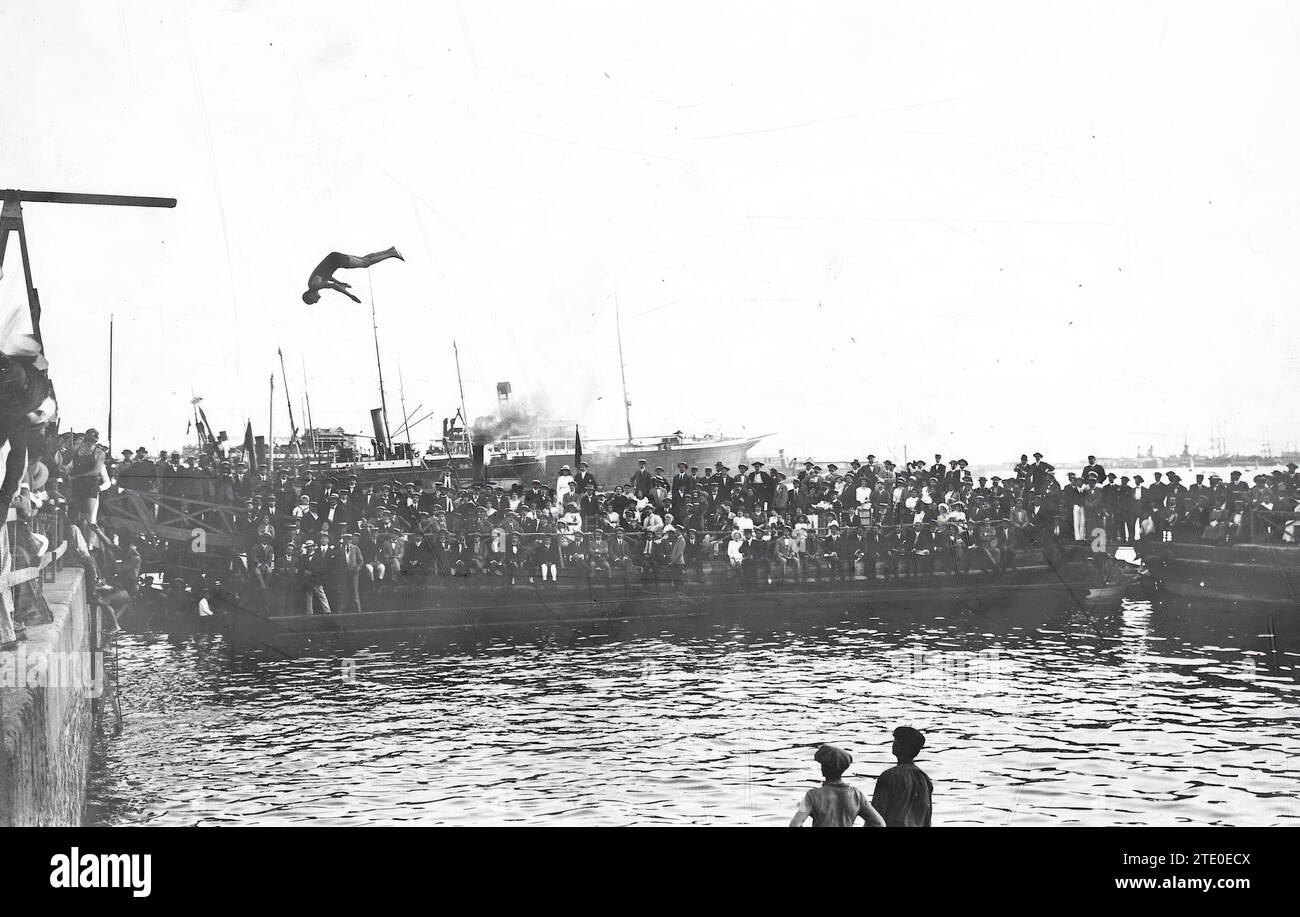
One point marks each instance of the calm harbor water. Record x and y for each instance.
(1146, 717)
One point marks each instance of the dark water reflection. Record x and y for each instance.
(1148, 717)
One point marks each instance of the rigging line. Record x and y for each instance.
(442, 277)
(434, 210)
(216, 181)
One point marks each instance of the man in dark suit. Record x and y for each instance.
(1000, 497)
(952, 477)
(1125, 513)
(1040, 473)
(1156, 505)
(261, 481)
(418, 556)
(536, 497)
(334, 518)
(286, 492)
(143, 473)
(245, 523)
(584, 478)
(1091, 467)
(937, 470)
(170, 475)
(683, 485)
(707, 485)
(833, 553)
(641, 479)
(722, 481)
(763, 484)
(590, 507)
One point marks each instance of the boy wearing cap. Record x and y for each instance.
(835, 804)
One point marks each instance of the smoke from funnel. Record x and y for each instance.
(513, 417)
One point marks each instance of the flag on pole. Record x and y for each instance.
(214, 445)
(248, 445)
(577, 448)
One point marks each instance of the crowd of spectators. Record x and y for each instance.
(313, 542)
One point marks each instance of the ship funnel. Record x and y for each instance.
(377, 419)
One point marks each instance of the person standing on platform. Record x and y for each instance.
(315, 571)
(347, 567)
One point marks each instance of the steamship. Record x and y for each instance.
(541, 453)
(512, 448)
(543, 457)
(513, 455)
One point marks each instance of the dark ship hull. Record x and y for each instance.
(457, 610)
(1245, 574)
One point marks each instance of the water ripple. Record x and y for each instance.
(1144, 718)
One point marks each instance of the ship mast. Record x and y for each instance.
(464, 418)
(622, 369)
(401, 392)
(383, 402)
(270, 428)
(293, 427)
(306, 396)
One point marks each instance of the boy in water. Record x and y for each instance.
(322, 278)
(835, 804)
(903, 792)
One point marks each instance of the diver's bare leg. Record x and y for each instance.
(338, 260)
(376, 257)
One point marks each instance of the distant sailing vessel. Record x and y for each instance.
(1188, 459)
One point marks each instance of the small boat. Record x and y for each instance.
(1115, 581)
(1109, 597)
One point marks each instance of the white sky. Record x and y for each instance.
(977, 229)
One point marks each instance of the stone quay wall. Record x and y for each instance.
(47, 691)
